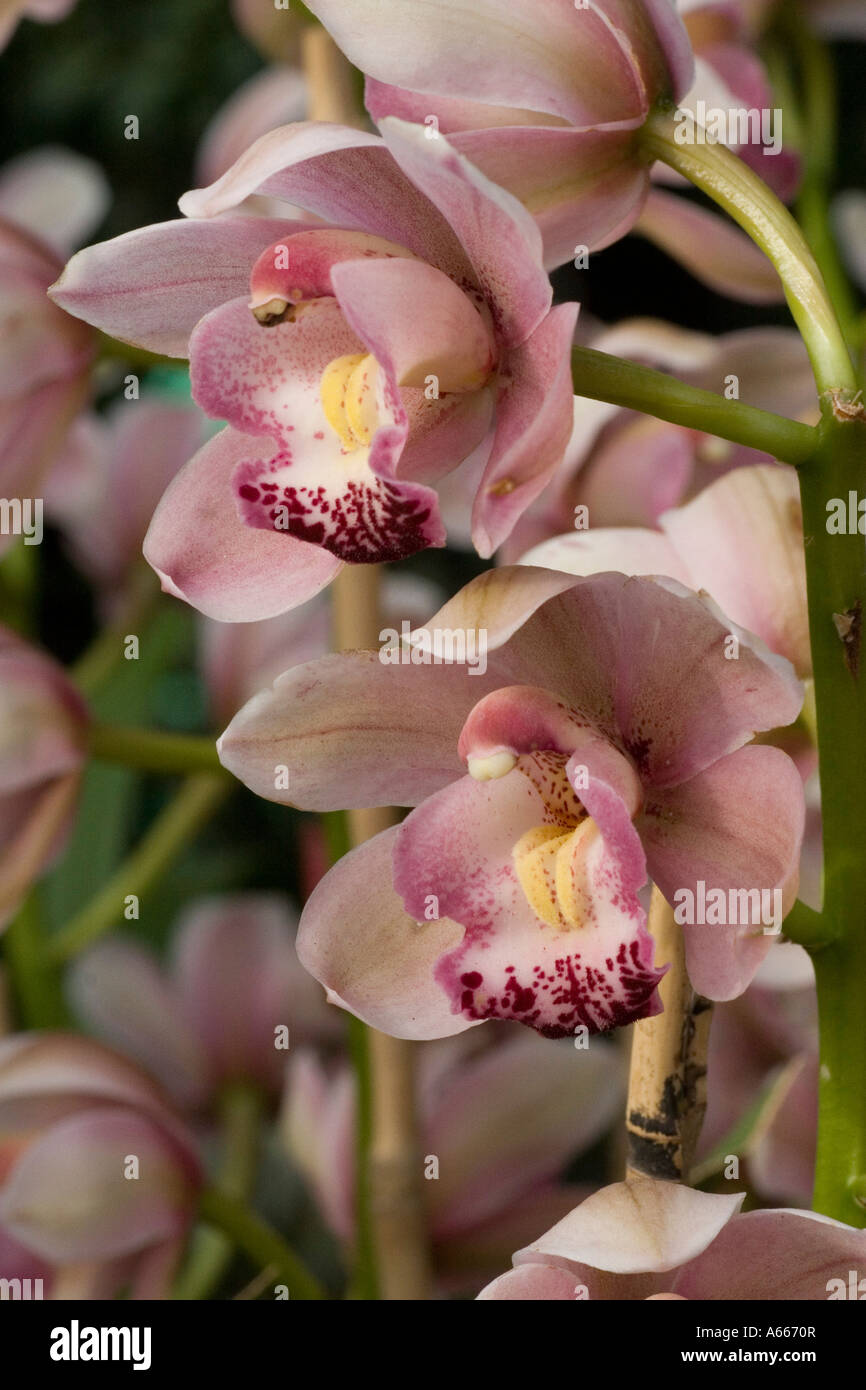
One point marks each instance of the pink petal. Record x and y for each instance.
(713, 250)
(638, 469)
(44, 1076)
(572, 65)
(782, 1163)
(318, 1129)
(150, 287)
(68, 1198)
(332, 722)
(44, 717)
(534, 421)
(329, 170)
(34, 825)
(203, 552)
(738, 825)
(382, 970)
(627, 549)
(239, 983)
(33, 430)
(124, 998)
(55, 194)
(104, 492)
(499, 236)
(776, 1255)
(416, 322)
(585, 188)
(533, 1282)
(510, 1119)
(750, 518)
(637, 1227)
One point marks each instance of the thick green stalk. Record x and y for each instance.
(836, 574)
(602, 377)
(675, 138)
(836, 571)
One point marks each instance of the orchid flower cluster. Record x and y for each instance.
(393, 644)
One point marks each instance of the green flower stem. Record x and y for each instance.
(260, 1242)
(152, 750)
(603, 377)
(836, 576)
(36, 983)
(192, 806)
(735, 188)
(240, 1108)
(92, 669)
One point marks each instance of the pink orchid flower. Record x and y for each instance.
(104, 487)
(740, 540)
(501, 1123)
(552, 108)
(626, 469)
(49, 200)
(355, 363)
(45, 11)
(216, 1014)
(74, 1116)
(512, 890)
(648, 1239)
(43, 751)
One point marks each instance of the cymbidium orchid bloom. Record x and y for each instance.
(512, 890)
(49, 200)
(501, 1121)
(355, 362)
(45, 11)
(43, 743)
(74, 1117)
(645, 1239)
(549, 100)
(626, 469)
(215, 1015)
